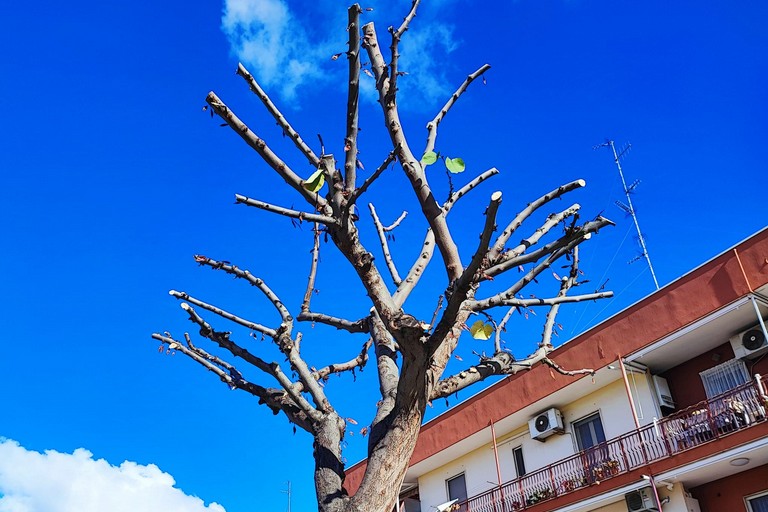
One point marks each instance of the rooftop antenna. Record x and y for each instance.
(628, 208)
(288, 492)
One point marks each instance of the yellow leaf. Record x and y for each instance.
(315, 182)
(481, 331)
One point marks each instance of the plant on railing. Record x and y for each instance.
(539, 495)
(606, 469)
(573, 483)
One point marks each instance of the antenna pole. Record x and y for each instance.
(288, 492)
(632, 212)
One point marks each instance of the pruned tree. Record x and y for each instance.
(411, 354)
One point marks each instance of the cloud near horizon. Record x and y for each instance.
(52, 481)
(287, 49)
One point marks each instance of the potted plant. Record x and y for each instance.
(539, 495)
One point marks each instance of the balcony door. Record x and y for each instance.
(589, 432)
(457, 490)
(590, 438)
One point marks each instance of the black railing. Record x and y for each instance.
(704, 422)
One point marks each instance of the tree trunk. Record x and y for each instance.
(329, 469)
(388, 459)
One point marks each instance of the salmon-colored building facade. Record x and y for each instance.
(674, 418)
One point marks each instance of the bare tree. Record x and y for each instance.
(411, 355)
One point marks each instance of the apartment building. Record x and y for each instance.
(673, 419)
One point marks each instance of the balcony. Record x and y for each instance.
(707, 421)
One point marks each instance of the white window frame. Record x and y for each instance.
(514, 459)
(454, 477)
(724, 377)
(747, 499)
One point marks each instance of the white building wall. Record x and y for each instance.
(479, 466)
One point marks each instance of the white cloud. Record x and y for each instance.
(266, 37)
(288, 47)
(61, 482)
(424, 50)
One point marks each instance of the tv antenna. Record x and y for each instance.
(288, 492)
(628, 208)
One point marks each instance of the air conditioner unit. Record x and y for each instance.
(750, 343)
(546, 423)
(662, 392)
(641, 500)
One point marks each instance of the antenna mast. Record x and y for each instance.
(288, 492)
(628, 207)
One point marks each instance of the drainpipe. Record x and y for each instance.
(759, 316)
(629, 392)
(652, 481)
(496, 454)
(637, 426)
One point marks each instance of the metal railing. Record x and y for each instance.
(702, 423)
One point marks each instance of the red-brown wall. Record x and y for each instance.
(685, 382)
(727, 494)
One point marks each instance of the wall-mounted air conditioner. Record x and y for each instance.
(641, 500)
(545, 424)
(750, 343)
(663, 394)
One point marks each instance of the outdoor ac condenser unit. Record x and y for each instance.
(750, 343)
(546, 423)
(641, 501)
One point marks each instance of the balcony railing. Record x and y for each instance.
(736, 410)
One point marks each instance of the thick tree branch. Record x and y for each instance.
(222, 339)
(276, 399)
(552, 301)
(281, 120)
(463, 288)
(468, 276)
(501, 241)
(434, 123)
(310, 217)
(224, 314)
(502, 363)
(264, 151)
(509, 294)
(428, 246)
(353, 93)
(389, 376)
(339, 323)
(433, 213)
(511, 259)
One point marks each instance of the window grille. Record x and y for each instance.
(724, 377)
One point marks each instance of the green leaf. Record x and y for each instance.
(455, 165)
(315, 182)
(481, 331)
(429, 158)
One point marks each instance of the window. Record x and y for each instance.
(589, 432)
(758, 503)
(519, 461)
(457, 489)
(590, 438)
(724, 377)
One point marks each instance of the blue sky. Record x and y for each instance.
(113, 178)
